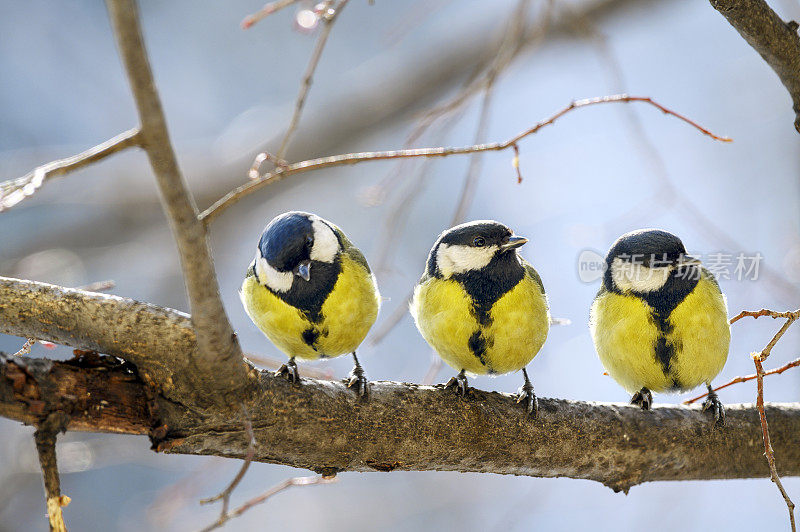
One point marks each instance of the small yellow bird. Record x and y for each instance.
(660, 322)
(481, 306)
(311, 292)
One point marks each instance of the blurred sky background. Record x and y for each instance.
(597, 173)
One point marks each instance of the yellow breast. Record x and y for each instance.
(625, 335)
(519, 325)
(347, 315)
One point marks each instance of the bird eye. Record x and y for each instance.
(479, 242)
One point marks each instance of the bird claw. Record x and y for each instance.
(531, 402)
(289, 370)
(643, 398)
(358, 381)
(459, 384)
(715, 406)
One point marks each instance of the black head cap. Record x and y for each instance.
(287, 240)
(649, 247)
(480, 233)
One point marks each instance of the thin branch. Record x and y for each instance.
(99, 286)
(773, 472)
(305, 369)
(433, 370)
(755, 314)
(225, 495)
(283, 486)
(219, 357)
(329, 16)
(476, 161)
(268, 9)
(15, 190)
(790, 317)
(353, 158)
(746, 378)
(45, 438)
(26, 347)
(775, 40)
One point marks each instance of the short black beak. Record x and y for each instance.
(513, 243)
(303, 270)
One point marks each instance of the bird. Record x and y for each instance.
(660, 321)
(311, 292)
(481, 306)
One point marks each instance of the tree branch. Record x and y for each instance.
(14, 191)
(353, 158)
(323, 426)
(45, 438)
(328, 19)
(775, 40)
(219, 357)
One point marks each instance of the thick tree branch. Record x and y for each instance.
(777, 41)
(323, 426)
(218, 358)
(160, 342)
(97, 394)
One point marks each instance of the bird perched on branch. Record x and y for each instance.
(311, 292)
(481, 306)
(660, 322)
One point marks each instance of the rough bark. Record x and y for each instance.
(325, 427)
(160, 342)
(218, 359)
(777, 41)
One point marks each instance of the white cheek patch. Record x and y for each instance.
(637, 277)
(326, 245)
(272, 278)
(452, 260)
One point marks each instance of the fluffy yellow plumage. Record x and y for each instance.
(481, 306)
(623, 331)
(660, 321)
(311, 292)
(348, 313)
(518, 328)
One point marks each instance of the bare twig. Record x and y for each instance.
(476, 162)
(775, 40)
(755, 314)
(45, 438)
(283, 486)
(758, 358)
(328, 16)
(773, 472)
(353, 158)
(225, 495)
(16, 190)
(746, 378)
(305, 369)
(268, 9)
(791, 317)
(99, 286)
(219, 355)
(26, 347)
(433, 370)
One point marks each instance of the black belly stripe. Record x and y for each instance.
(663, 348)
(310, 337)
(477, 344)
(662, 302)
